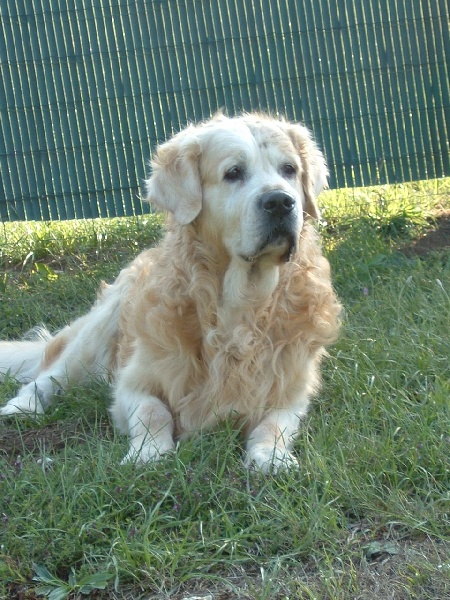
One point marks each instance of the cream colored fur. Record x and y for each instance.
(227, 318)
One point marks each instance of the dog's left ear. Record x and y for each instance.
(174, 184)
(315, 172)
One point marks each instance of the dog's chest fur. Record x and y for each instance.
(206, 357)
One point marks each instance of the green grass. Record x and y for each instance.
(366, 516)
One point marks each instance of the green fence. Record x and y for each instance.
(88, 87)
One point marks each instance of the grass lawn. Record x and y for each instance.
(368, 514)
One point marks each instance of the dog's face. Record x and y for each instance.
(247, 181)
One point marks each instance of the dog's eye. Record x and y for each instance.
(288, 170)
(234, 174)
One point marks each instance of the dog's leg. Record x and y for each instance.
(269, 443)
(146, 420)
(69, 367)
(32, 398)
(84, 348)
(36, 396)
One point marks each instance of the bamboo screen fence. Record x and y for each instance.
(89, 87)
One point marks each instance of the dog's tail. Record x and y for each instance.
(22, 359)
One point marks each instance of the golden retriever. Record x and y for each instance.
(227, 317)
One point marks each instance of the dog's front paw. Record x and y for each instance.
(148, 452)
(22, 404)
(270, 459)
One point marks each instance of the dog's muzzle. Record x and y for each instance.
(279, 220)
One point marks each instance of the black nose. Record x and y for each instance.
(277, 203)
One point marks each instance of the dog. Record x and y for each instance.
(227, 318)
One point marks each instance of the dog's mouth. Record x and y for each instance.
(280, 242)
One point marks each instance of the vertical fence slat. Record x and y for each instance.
(10, 168)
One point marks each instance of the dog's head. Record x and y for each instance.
(247, 181)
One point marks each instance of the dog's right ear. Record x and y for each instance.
(174, 184)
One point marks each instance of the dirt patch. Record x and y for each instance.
(18, 441)
(51, 438)
(435, 239)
